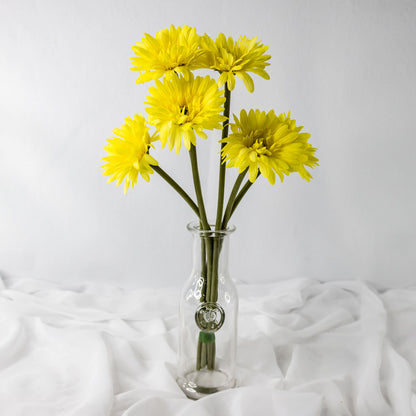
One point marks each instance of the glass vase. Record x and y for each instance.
(208, 317)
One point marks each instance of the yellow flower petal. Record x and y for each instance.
(269, 143)
(222, 79)
(230, 81)
(228, 56)
(172, 51)
(128, 153)
(248, 81)
(179, 108)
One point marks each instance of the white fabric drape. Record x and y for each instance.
(306, 348)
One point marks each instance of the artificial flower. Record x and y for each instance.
(128, 153)
(270, 144)
(172, 51)
(232, 58)
(179, 108)
(307, 157)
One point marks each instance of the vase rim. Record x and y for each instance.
(194, 227)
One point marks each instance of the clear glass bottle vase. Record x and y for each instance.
(208, 318)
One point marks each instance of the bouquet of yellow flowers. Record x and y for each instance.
(181, 107)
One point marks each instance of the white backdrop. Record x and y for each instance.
(346, 70)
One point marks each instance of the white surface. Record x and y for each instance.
(305, 349)
(346, 70)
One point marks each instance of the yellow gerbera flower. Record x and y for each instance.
(269, 143)
(179, 108)
(172, 51)
(128, 154)
(232, 58)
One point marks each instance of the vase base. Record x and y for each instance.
(198, 384)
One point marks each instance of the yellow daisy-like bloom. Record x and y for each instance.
(128, 153)
(270, 144)
(232, 58)
(179, 108)
(172, 51)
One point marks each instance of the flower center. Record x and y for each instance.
(258, 148)
(183, 116)
(172, 67)
(139, 152)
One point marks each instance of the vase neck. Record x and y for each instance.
(210, 251)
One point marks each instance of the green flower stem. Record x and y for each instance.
(198, 191)
(198, 355)
(213, 352)
(210, 246)
(218, 240)
(203, 358)
(214, 279)
(203, 270)
(232, 198)
(213, 286)
(210, 358)
(221, 180)
(177, 188)
(241, 194)
(203, 355)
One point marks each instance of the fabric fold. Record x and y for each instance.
(306, 347)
